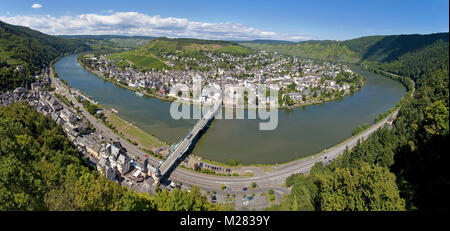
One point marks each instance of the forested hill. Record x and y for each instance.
(22, 45)
(318, 50)
(404, 167)
(40, 169)
(369, 48)
(30, 49)
(389, 48)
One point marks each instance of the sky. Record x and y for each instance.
(292, 20)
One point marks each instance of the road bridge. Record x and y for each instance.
(179, 149)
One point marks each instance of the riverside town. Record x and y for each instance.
(237, 115)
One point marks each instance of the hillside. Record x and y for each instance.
(102, 42)
(319, 50)
(22, 45)
(31, 49)
(268, 41)
(369, 48)
(40, 169)
(389, 48)
(152, 54)
(397, 168)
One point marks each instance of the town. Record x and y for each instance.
(114, 158)
(109, 157)
(298, 82)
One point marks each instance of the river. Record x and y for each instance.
(300, 132)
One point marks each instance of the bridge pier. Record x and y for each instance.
(180, 149)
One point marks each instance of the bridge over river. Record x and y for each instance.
(178, 150)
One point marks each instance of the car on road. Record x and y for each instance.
(244, 189)
(172, 185)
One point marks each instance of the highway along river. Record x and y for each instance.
(300, 132)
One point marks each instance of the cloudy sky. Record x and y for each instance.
(231, 20)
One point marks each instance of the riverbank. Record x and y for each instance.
(298, 104)
(320, 117)
(98, 74)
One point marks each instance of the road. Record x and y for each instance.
(277, 176)
(182, 147)
(272, 179)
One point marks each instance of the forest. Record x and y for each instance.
(31, 50)
(378, 48)
(398, 168)
(40, 169)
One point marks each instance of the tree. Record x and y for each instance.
(365, 188)
(48, 174)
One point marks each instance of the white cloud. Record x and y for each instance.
(36, 6)
(134, 23)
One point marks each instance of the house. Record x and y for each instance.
(91, 147)
(295, 96)
(151, 170)
(104, 167)
(20, 90)
(54, 104)
(390, 120)
(68, 116)
(35, 86)
(123, 164)
(162, 90)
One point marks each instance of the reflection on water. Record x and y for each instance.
(300, 132)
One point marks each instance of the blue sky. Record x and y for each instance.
(287, 20)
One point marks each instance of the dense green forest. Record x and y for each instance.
(40, 169)
(32, 50)
(370, 48)
(398, 168)
(105, 44)
(21, 45)
(403, 168)
(317, 50)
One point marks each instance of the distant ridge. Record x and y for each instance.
(149, 56)
(106, 37)
(380, 48)
(265, 41)
(22, 45)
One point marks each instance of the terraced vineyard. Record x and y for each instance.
(152, 55)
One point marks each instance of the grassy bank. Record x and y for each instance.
(134, 133)
(150, 142)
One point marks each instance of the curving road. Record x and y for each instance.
(273, 179)
(277, 176)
